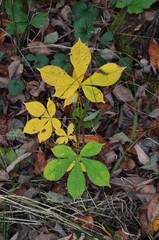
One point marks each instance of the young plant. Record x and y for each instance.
(96, 171)
(68, 88)
(19, 19)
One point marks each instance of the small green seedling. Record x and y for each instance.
(68, 160)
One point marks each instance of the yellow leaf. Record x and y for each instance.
(51, 107)
(62, 140)
(60, 132)
(56, 123)
(93, 94)
(52, 74)
(72, 99)
(33, 126)
(46, 132)
(80, 59)
(36, 109)
(70, 129)
(44, 125)
(110, 74)
(66, 89)
(155, 224)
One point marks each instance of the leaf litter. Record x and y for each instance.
(130, 207)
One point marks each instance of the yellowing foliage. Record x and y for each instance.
(43, 123)
(65, 137)
(67, 87)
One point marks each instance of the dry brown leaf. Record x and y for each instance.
(2, 36)
(153, 209)
(145, 226)
(154, 113)
(153, 51)
(15, 69)
(4, 175)
(3, 82)
(40, 163)
(92, 138)
(146, 193)
(121, 235)
(20, 191)
(3, 69)
(86, 221)
(127, 164)
(142, 156)
(3, 125)
(38, 47)
(122, 93)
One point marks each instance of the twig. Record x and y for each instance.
(18, 160)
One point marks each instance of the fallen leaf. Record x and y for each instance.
(122, 93)
(153, 209)
(121, 235)
(3, 70)
(127, 164)
(15, 69)
(153, 51)
(146, 193)
(142, 156)
(86, 221)
(155, 224)
(154, 113)
(3, 125)
(40, 163)
(39, 48)
(92, 138)
(20, 191)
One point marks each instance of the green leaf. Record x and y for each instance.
(39, 20)
(55, 169)
(10, 29)
(51, 38)
(91, 120)
(41, 61)
(100, 61)
(57, 198)
(97, 172)
(15, 134)
(15, 87)
(76, 181)
(91, 149)
(106, 39)
(60, 60)
(1, 55)
(123, 3)
(125, 62)
(83, 29)
(21, 26)
(135, 6)
(10, 156)
(30, 57)
(82, 11)
(63, 151)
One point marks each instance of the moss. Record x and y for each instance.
(123, 41)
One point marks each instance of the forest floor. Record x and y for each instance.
(127, 124)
